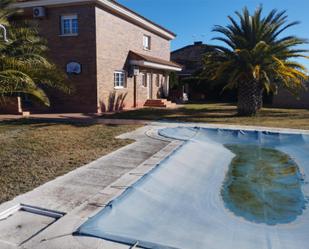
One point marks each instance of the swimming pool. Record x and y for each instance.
(223, 189)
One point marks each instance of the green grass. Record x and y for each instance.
(222, 113)
(34, 152)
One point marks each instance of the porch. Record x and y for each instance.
(151, 80)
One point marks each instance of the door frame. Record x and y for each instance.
(134, 92)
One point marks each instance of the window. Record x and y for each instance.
(119, 79)
(146, 42)
(144, 79)
(69, 25)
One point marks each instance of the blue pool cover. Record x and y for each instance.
(223, 189)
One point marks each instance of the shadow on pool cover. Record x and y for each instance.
(263, 185)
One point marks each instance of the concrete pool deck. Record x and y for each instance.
(85, 191)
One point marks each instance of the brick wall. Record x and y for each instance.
(65, 49)
(10, 105)
(285, 99)
(115, 38)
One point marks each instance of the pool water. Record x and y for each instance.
(222, 189)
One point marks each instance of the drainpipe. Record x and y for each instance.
(4, 33)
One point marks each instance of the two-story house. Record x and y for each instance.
(105, 48)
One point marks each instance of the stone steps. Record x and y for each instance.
(159, 103)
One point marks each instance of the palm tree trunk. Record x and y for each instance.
(260, 100)
(250, 98)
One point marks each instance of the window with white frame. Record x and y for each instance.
(119, 79)
(69, 25)
(144, 79)
(147, 42)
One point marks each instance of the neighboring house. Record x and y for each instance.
(112, 54)
(285, 99)
(191, 57)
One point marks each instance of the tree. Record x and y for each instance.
(256, 57)
(24, 67)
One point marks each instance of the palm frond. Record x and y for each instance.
(256, 50)
(24, 67)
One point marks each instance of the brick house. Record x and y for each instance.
(191, 57)
(114, 57)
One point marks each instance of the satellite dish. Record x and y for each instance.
(74, 68)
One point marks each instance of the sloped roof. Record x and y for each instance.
(138, 56)
(191, 57)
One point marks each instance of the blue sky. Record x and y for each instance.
(193, 20)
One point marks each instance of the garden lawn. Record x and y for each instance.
(222, 113)
(34, 152)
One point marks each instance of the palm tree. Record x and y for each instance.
(6, 11)
(24, 68)
(256, 57)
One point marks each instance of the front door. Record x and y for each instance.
(149, 84)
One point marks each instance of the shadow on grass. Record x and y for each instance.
(219, 113)
(196, 112)
(46, 122)
(175, 114)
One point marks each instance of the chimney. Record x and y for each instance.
(198, 43)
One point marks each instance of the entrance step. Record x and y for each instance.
(160, 103)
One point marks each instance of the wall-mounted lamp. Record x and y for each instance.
(4, 33)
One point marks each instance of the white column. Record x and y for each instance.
(167, 85)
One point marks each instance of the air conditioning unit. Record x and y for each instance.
(39, 12)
